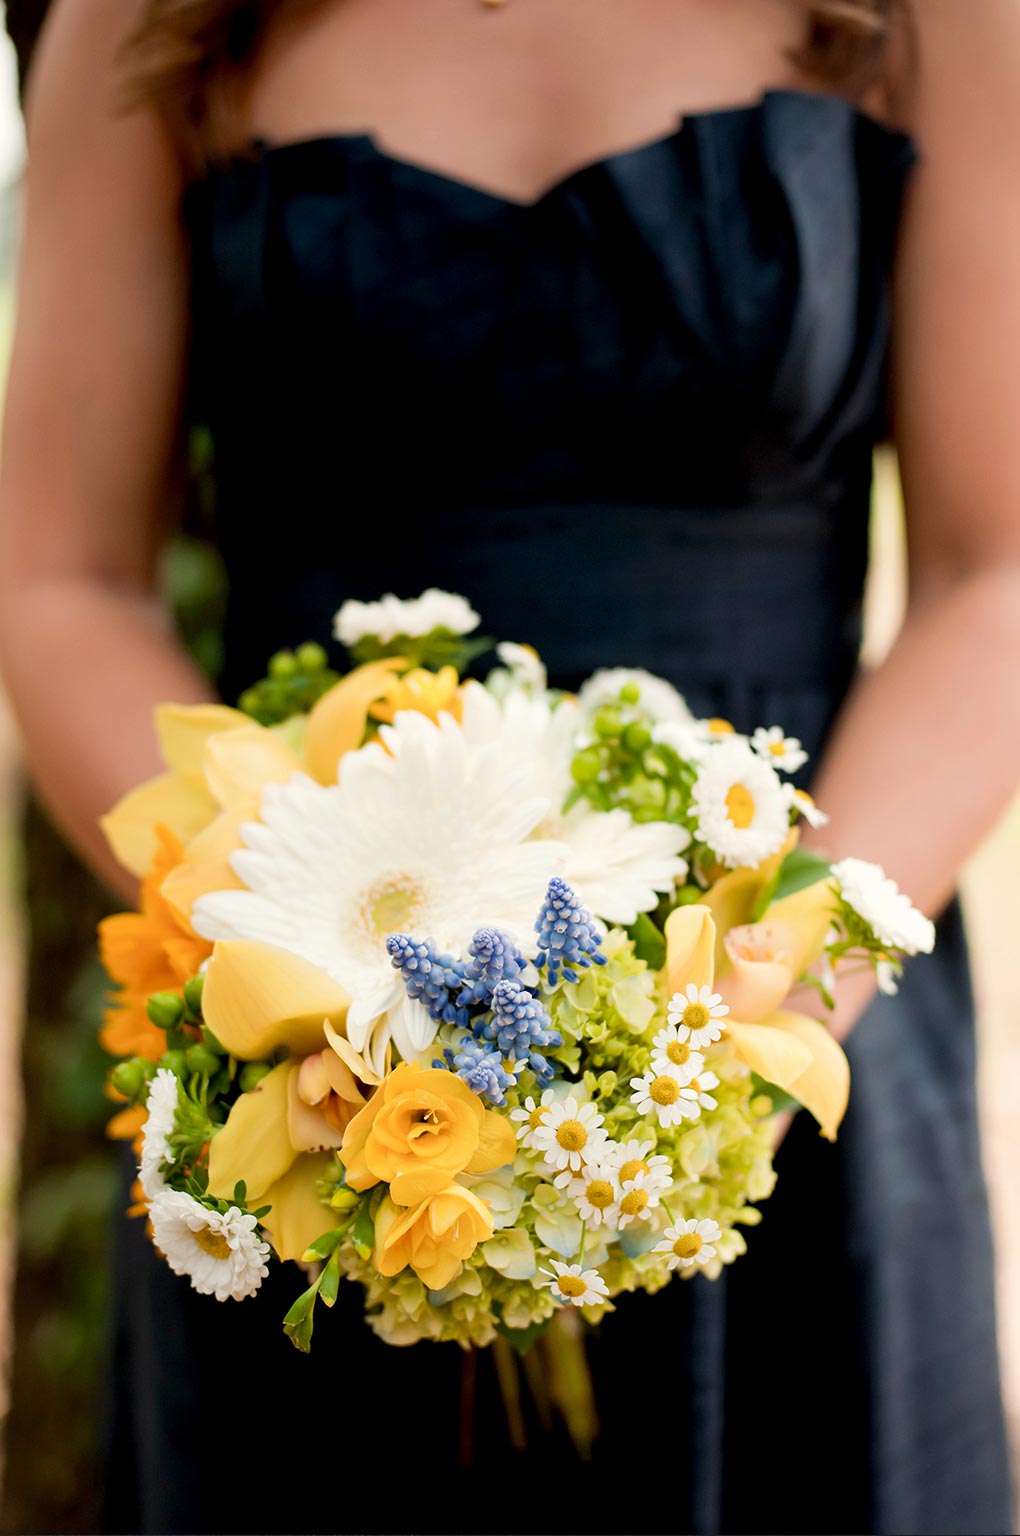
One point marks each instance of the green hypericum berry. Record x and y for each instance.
(630, 693)
(175, 1062)
(607, 722)
(130, 1077)
(252, 1074)
(310, 656)
(283, 665)
(165, 1009)
(637, 737)
(201, 1060)
(587, 765)
(193, 993)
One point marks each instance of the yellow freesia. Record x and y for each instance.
(789, 1049)
(433, 1237)
(429, 693)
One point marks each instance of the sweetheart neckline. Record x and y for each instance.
(261, 149)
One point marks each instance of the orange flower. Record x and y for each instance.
(434, 1237)
(153, 950)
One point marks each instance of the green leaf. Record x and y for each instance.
(300, 1320)
(363, 1234)
(323, 1246)
(521, 1339)
(240, 1193)
(798, 870)
(649, 942)
(329, 1281)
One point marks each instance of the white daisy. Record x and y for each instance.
(222, 1255)
(738, 800)
(689, 1242)
(161, 1104)
(657, 698)
(780, 750)
(661, 1094)
(800, 801)
(887, 977)
(524, 666)
(697, 1093)
(891, 916)
(530, 1116)
(425, 835)
(392, 616)
(595, 1191)
(697, 1015)
(639, 1196)
(618, 868)
(570, 1134)
(633, 1157)
(576, 1286)
(673, 1052)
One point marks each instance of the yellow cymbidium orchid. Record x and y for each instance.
(280, 1136)
(794, 1052)
(218, 763)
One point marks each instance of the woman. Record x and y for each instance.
(578, 308)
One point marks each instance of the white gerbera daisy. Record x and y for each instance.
(524, 666)
(673, 1053)
(633, 1157)
(661, 1094)
(570, 1135)
(530, 1116)
(800, 801)
(891, 916)
(595, 1191)
(424, 836)
(697, 1014)
(576, 1286)
(742, 813)
(689, 1242)
(161, 1104)
(639, 1197)
(221, 1254)
(657, 698)
(777, 748)
(392, 616)
(618, 868)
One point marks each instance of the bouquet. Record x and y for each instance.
(481, 996)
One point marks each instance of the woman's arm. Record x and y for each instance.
(91, 432)
(926, 754)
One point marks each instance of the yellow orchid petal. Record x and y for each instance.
(184, 730)
(170, 800)
(497, 1144)
(258, 997)
(336, 723)
(690, 948)
(238, 764)
(731, 902)
(307, 1127)
(353, 1059)
(752, 989)
(775, 1054)
(298, 1216)
(206, 864)
(824, 1086)
(810, 913)
(255, 1143)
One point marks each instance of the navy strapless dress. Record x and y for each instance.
(633, 422)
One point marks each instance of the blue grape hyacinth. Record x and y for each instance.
(431, 979)
(481, 1067)
(492, 957)
(567, 935)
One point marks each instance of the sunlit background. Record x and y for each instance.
(56, 1185)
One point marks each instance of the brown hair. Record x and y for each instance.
(181, 46)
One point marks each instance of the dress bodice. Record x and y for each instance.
(665, 374)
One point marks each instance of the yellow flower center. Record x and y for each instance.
(688, 1246)
(720, 727)
(390, 907)
(631, 1169)
(740, 806)
(777, 748)
(536, 1117)
(695, 1085)
(634, 1202)
(679, 1051)
(600, 1194)
(213, 1243)
(664, 1090)
(571, 1135)
(571, 1285)
(696, 1016)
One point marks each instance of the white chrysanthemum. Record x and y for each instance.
(570, 1134)
(530, 1116)
(392, 616)
(161, 1105)
(658, 699)
(222, 1255)
(672, 1052)
(579, 1287)
(690, 1242)
(639, 1197)
(782, 751)
(595, 1191)
(633, 1157)
(662, 1094)
(891, 916)
(697, 1014)
(524, 665)
(738, 801)
(618, 868)
(800, 801)
(426, 835)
